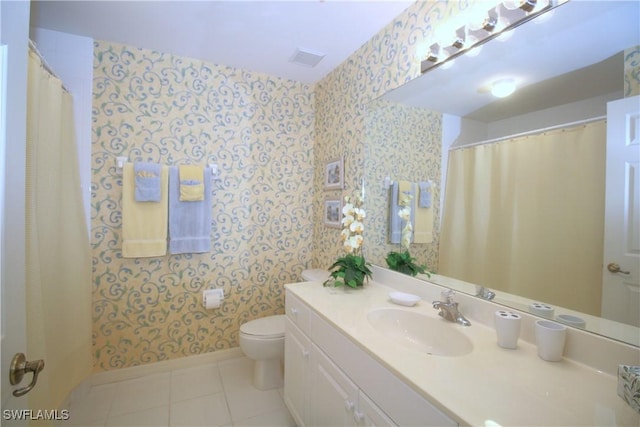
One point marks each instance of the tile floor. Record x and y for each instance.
(217, 394)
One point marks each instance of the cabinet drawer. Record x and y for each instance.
(297, 312)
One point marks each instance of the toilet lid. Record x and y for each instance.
(315, 275)
(265, 327)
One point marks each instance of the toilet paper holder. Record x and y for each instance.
(218, 293)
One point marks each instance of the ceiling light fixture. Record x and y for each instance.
(503, 88)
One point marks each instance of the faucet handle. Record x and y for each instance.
(447, 295)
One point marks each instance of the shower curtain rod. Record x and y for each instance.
(530, 132)
(45, 65)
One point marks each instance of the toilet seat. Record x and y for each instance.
(265, 327)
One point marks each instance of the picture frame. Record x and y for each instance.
(332, 212)
(334, 174)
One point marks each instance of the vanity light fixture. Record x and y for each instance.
(503, 88)
(499, 19)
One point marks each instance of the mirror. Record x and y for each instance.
(569, 58)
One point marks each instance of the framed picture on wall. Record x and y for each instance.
(333, 212)
(334, 174)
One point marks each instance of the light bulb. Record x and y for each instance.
(525, 5)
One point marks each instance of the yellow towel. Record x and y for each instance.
(404, 188)
(144, 225)
(423, 230)
(191, 183)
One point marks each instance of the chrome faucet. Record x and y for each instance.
(485, 293)
(449, 309)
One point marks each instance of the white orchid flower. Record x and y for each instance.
(356, 241)
(356, 227)
(347, 220)
(348, 209)
(405, 214)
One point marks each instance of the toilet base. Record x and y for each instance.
(268, 374)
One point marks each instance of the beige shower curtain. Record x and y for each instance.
(58, 256)
(527, 215)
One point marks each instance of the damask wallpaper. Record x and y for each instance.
(415, 135)
(158, 107)
(632, 71)
(271, 138)
(387, 61)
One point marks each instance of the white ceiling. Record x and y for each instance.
(260, 36)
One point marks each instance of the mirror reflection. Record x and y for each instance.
(521, 181)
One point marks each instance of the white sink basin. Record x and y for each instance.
(420, 332)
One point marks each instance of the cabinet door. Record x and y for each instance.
(297, 373)
(334, 396)
(369, 414)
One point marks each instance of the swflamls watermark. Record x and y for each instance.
(36, 414)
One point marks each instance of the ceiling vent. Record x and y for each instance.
(306, 58)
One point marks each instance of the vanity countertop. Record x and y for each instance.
(490, 386)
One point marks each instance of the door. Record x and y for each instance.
(335, 396)
(370, 414)
(297, 373)
(621, 264)
(13, 92)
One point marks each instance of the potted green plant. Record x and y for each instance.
(402, 261)
(352, 269)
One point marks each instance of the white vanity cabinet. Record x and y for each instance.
(329, 380)
(337, 401)
(297, 356)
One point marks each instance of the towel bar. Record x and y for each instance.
(215, 172)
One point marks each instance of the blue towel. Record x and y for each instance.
(147, 181)
(189, 222)
(425, 194)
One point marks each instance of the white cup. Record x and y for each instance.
(507, 328)
(550, 337)
(570, 320)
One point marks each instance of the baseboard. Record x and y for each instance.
(123, 374)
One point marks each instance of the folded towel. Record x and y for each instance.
(423, 230)
(191, 183)
(189, 222)
(147, 181)
(144, 225)
(424, 200)
(404, 189)
(398, 191)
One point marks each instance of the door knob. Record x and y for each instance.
(615, 268)
(19, 367)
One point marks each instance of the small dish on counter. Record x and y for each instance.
(404, 299)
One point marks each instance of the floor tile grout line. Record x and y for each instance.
(224, 393)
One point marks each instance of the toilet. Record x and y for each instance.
(263, 341)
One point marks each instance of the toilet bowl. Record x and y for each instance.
(263, 341)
